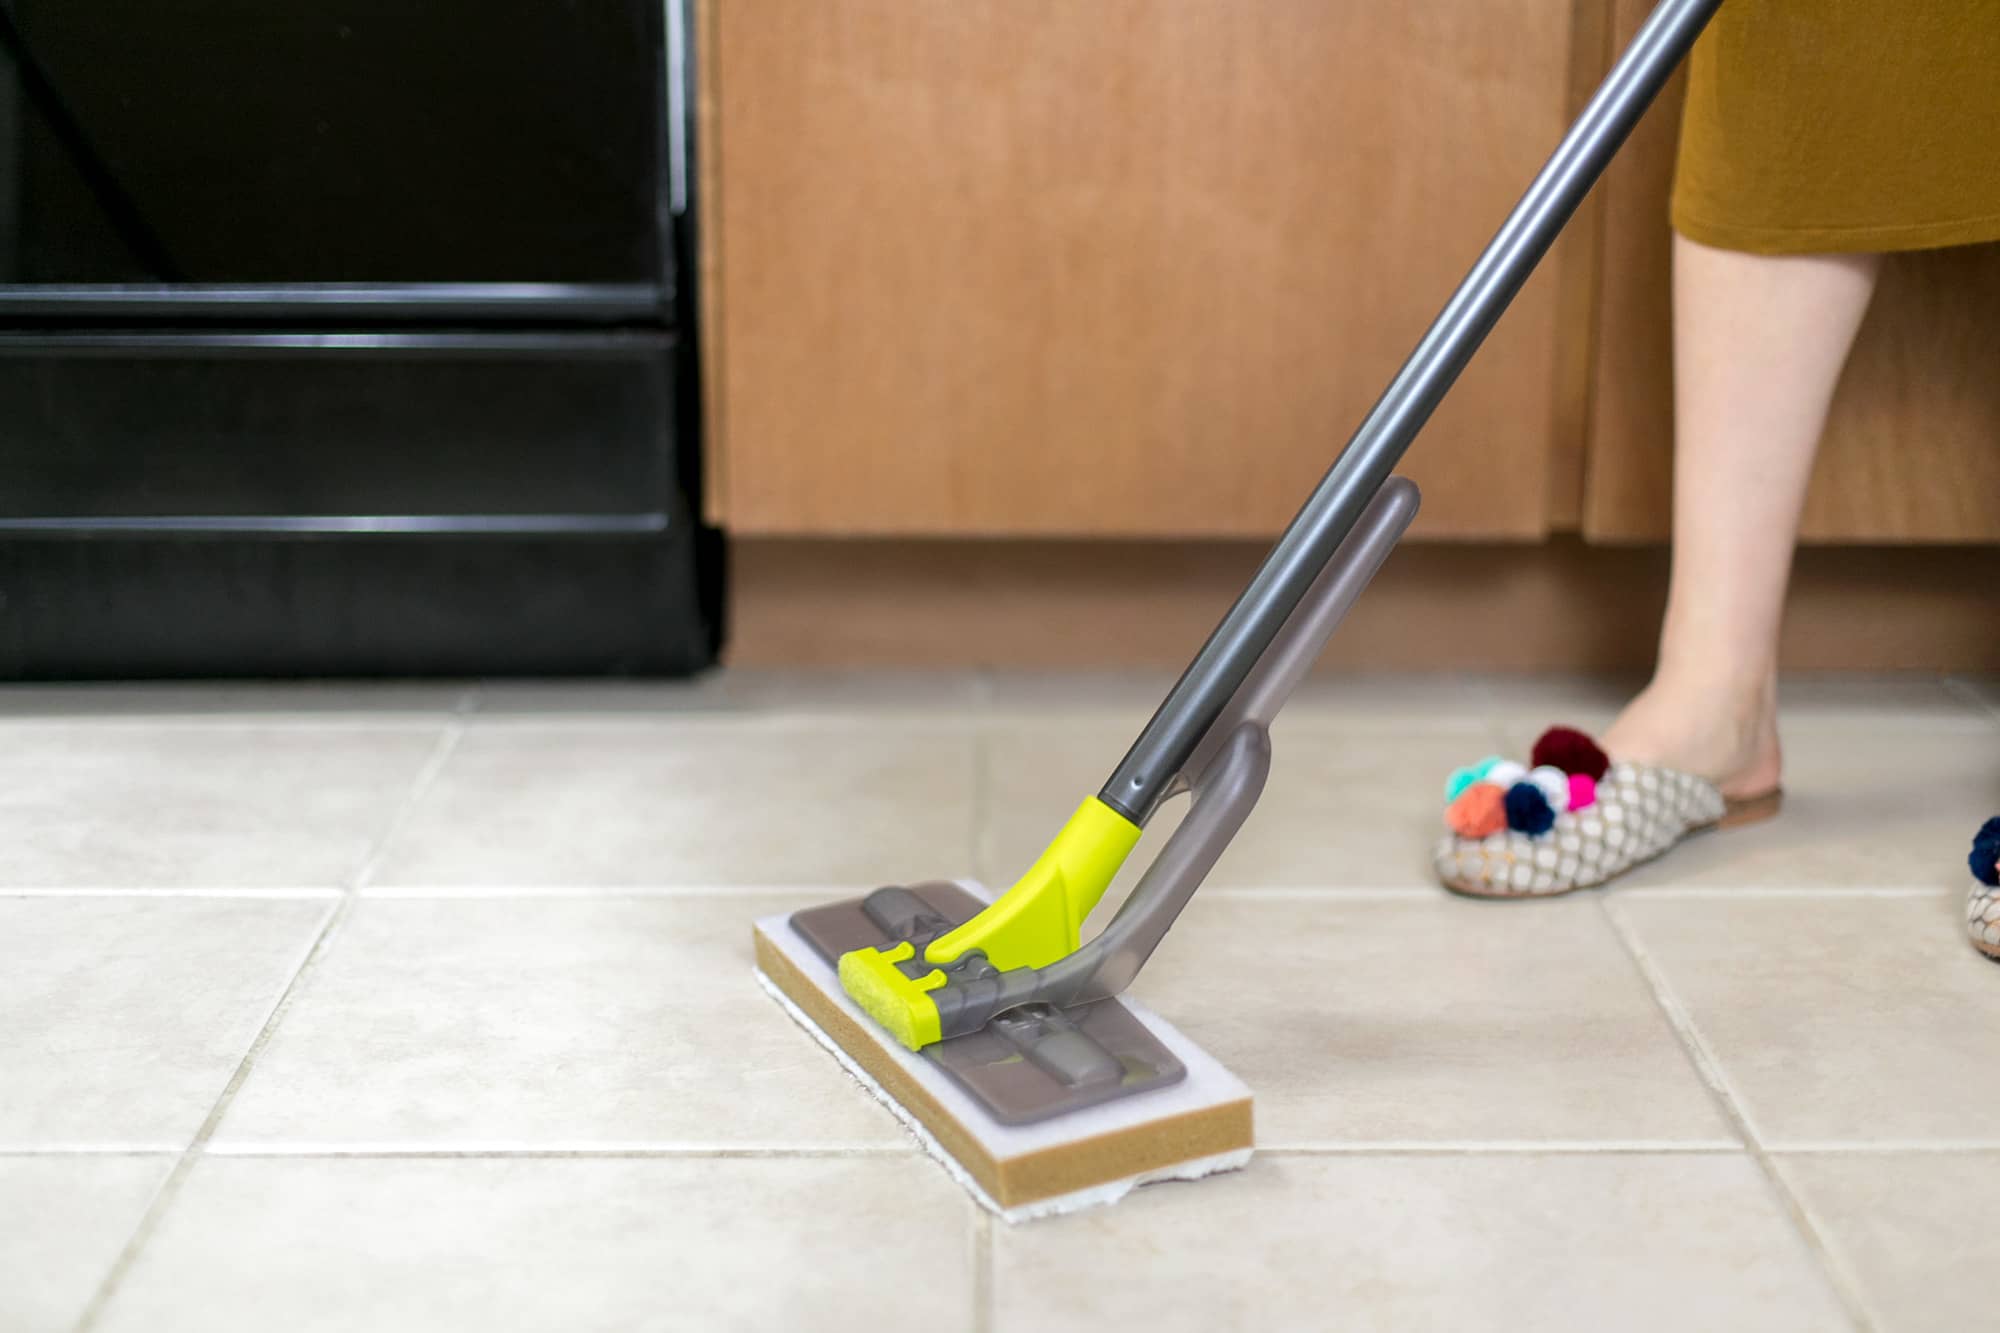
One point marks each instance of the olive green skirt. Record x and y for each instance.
(1842, 125)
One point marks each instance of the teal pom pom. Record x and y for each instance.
(1461, 778)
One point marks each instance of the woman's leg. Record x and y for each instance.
(1759, 342)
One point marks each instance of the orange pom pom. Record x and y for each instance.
(1480, 811)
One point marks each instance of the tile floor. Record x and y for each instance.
(417, 1007)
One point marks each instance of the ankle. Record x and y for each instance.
(1747, 698)
(1719, 728)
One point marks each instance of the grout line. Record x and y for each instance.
(1864, 1147)
(1967, 694)
(559, 891)
(386, 721)
(336, 916)
(1848, 1288)
(982, 1268)
(163, 1189)
(1694, 1046)
(1712, 892)
(1709, 1066)
(93, 1150)
(1354, 1148)
(916, 722)
(1330, 893)
(1509, 1148)
(557, 1152)
(447, 745)
(135, 892)
(170, 1188)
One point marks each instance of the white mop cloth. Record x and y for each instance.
(1207, 1085)
(1110, 1192)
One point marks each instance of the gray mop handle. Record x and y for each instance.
(1204, 690)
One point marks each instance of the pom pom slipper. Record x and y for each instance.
(1982, 906)
(1573, 819)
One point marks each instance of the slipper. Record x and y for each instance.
(1573, 819)
(1982, 905)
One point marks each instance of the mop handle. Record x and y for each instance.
(1204, 690)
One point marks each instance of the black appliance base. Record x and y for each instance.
(146, 608)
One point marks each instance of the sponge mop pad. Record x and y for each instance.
(1092, 1156)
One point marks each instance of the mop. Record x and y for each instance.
(1001, 1038)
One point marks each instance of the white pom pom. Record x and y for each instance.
(1505, 774)
(1554, 784)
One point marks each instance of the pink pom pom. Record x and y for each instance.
(1582, 790)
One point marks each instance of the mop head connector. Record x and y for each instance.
(900, 1003)
(1032, 925)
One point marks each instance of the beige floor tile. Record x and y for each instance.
(1866, 806)
(945, 694)
(200, 805)
(1835, 1019)
(1526, 705)
(1918, 1233)
(1428, 1020)
(572, 1244)
(1034, 772)
(1983, 690)
(476, 1023)
(323, 700)
(1900, 699)
(66, 1219)
(709, 802)
(1120, 700)
(1417, 701)
(1347, 805)
(122, 1018)
(1125, 699)
(592, 698)
(1589, 1241)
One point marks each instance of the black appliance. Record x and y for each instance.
(348, 337)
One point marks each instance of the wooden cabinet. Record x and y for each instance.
(1912, 448)
(1136, 268)
(1116, 268)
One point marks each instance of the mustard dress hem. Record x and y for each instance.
(1815, 126)
(1836, 240)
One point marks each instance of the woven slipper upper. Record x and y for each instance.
(1982, 907)
(1543, 839)
(1982, 919)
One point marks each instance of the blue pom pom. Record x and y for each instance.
(1986, 852)
(1528, 810)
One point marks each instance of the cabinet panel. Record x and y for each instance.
(1119, 268)
(1912, 447)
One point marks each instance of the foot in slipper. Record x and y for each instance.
(1572, 819)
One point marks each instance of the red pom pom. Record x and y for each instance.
(1571, 751)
